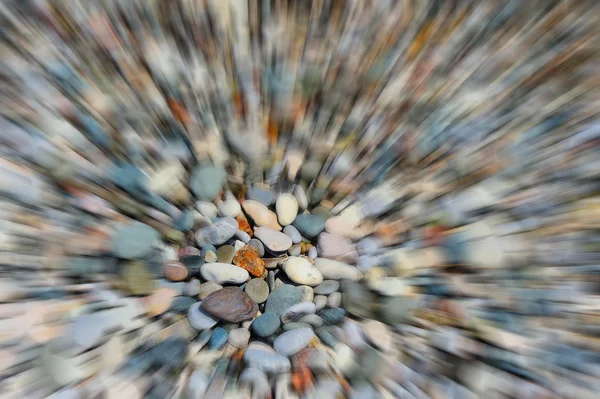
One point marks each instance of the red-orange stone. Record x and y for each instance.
(249, 259)
(245, 226)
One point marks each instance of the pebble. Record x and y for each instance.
(266, 324)
(307, 293)
(160, 301)
(378, 334)
(210, 257)
(295, 325)
(367, 262)
(274, 241)
(332, 316)
(237, 245)
(217, 233)
(206, 248)
(193, 263)
(308, 225)
(272, 263)
(218, 338)
(230, 304)
(248, 258)
(242, 236)
(225, 254)
(171, 353)
(357, 299)
(291, 342)
(327, 287)
(353, 335)
(295, 250)
(261, 215)
(326, 336)
(224, 273)
(312, 319)
(368, 246)
(175, 271)
(334, 300)
(295, 312)
(229, 207)
(206, 181)
(244, 225)
(312, 253)
(185, 221)
(264, 358)
(262, 195)
(320, 301)
(257, 289)
(199, 319)
(181, 304)
(300, 195)
(335, 270)
(293, 233)
(337, 247)
(300, 270)
(256, 243)
(208, 288)
(282, 299)
(134, 240)
(396, 310)
(287, 209)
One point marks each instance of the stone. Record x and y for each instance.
(210, 257)
(257, 289)
(294, 325)
(208, 288)
(184, 221)
(326, 336)
(357, 299)
(239, 338)
(295, 250)
(274, 241)
(311, 319)
(237, 245)
(262, 195)
(369, 245)
(307, 293)
(300, 195)
(224, 273)
(192, 288)
(175, 271)
(391, 286)
(312, 253)
(335, 270)
(295, 312)
(197, 384)
(261, 215)
(200, 221)
(171, 353)
(257, 381)
(293, 233)
(301, 271)
(396, 310)
(266, 324)
(334, 300)
(134, 240)
(206, 248)
(160, 301)
(225, 254)
(181, 304)
(309, 225)
(206, 181)
(244, 225)
(193, 263)
(136, 279)
(287, 209)
(337, 247)
(378, 334)
(230, 304)
(264, 358)
(327, 287)
(217, 233)
(218, 338)
(332, 316)
(291, 342)
(248, 258)
(320, 301)
(230, 207)
(272, 263)
(199, 319)
(353, 335)
(256, 243)
(242, 236)
(282, 299)
(367, 262)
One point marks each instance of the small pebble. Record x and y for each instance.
(266, 324)
(287, 209)
(300, 270)
(293, 233)
(208, 288)
(334, 300)
(230, 304)
(223, 273)
(295, 312)
(291, 342)
(192, 288)
(309, 225)
(332, 316)
(320, 301)
(218, 339)
(210, 257)
(175, 271)
(257, 289)
(273, 240)
(239, 338)
(307, 293)
(327, 287)
(312, 253)
(295, 250)
(256, 243)
(242, 236)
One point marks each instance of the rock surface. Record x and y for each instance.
(230, 304)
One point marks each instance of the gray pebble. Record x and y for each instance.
(312, 253)
(334, 300)
(243, 236)
(327, 287)
(192, 288)
(256, 243)
(257, 289)
(320, 301)
(239, 338)
(312, 319)
(293, 233)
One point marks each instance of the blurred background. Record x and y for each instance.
(300, 199)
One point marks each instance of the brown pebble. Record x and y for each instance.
(175, 271)
(249, 259)
(303, 247)
(230, 304)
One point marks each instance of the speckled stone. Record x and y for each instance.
(218, 338)
(239, 338)
(225, 254)
(256, 243)
(208, 288)
(282, 299)
(217, 233)
(257, 289)
(327, 287)
(230, 304)
(293, 233)
(266, 324)
(309, 225)
(332, 316)
(248, 258)
(291, 342)
(295, 312)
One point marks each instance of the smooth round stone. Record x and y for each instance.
(307, 293)
(224, 273)
(256, 243)
(210, 257)
(287, 208)
(199, 319)
(378, 334)
(312, 253)
(239, 338)
(229, 207)
(175, 271)
(297, 311)
(291, 342)
(208, 288)
(257, 289)
(264, 358)
(248, 258)
(217, 233)
(320, 301)
(274, 241)
(327, 287)
(181, 304)
(192, 288)
(261, 215)
(295, 250)
(295, 325)
(225, 254)
(335, 270)
(337, 247)
(396, 310)
(334, 300)
(133, 241)
(207, 209)
(242, 236)
(206, 181)
(260, 194)
(282, 299)
(230, 304)
(326, 336)
(368, 245)
(309, 225)
(332, 316)
(311, 319)
(293, 233)
(357, 299)
(266, 324)
(218, 338)
(137, 280)
(302, 271)
(172, 353)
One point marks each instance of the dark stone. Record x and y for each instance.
(230, 304)
(193, 263)
(332, 316)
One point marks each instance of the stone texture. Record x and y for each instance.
(249, 259)
(230, 304)
(266, 324)
(309, 225)
(282, 298)
(217, 233)
(224, 273)
(274, 241)
(244, 226)
(302, 271)
(257, 289)
(287, 208)
(175, 271)
(261, 215)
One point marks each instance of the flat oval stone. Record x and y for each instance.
(295, 312)
(230, 304)
(175, 271)
(291, 342)
(312, 253)
(224, 273)
(208, 288)
(335, 270)
(217, 233)
(327, 287)
(239, 338)
(199, 319)
(287, 208)
(309, 225)
(337, 247)
(262, 357)
(256, 243)
(302, 271)
(248, 258)
(332, 316)
(312, 319)
(334, 300)
(133, 241)
(207, 209)
(225, 254)
(293, 233)
(261, 215)
(207, 180)
(257, 289)
(266, 324)
(282, 298)
(274, 241)
(218, 338)
(320, 302)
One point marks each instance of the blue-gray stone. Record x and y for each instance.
(256, 243)
(262, 195)
(264, 358)
(242, 236)
(312, 253)
(282, 299)
(312, 320)
(172, 353)
(327, 287)
(207, 181)
(218, 338)
(204, 337)
(181, 304)
(291, 342)
(184, 221)
(368, 245)
(218, 232)
(133, 241)
(266, 324)
(332, 316)
(293, 233)
(326, 336)
(309, 225)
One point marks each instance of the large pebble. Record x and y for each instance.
(208, 288)
(199, 319)
(266, 324)
(230, 304)
(309, 225)
(302, 271)
(293, 233)
(282, 299)
(224, 273)
(230, 207)
(337, 247)
(239, 337)
(335, 270)
(291, 342)
(175, 271)
(287, 208)
(297, 311)
(206, 181)
(261, 215)
(257, 289)
(274, 241)
(217, 233)
(264, 358)
(225, 254)
(248, 258)
(332, 316)
(327, 287)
